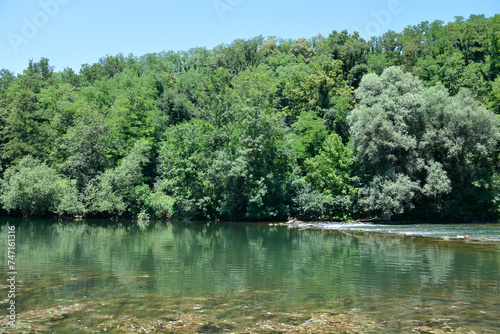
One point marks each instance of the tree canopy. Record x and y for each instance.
(401, 126)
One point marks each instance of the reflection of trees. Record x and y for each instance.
(200, 259)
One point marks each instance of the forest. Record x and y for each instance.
(404, 126)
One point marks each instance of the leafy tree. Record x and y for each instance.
(336, 121)
(302, 47)
(27, 127)
(311, 132)
(412, 43)
(6, 79)
(116, 190)
(176, 106)
(215, 104)
(183, 163)
(251, 174)
(269, 48)
(87, 149)
(495, 46)
(355, 74)
(107, 67)
(291, 78)
(332, 173)
(257, 87)
(239, 55)
(429, 148)
(133, 111)
(348, 48)
(333, 169)
(309, 203)
(316, 87)
(494, 100)
(34, 189)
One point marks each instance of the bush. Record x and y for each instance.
(34, 189)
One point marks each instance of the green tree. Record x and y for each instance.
(269, 48)
(34, 189)
(27, 128)
(87, 149)
(422, 148)
(345, 47)
(302, 47)
(251, 175)
(215, 105)
(123, 187)
(184, 159)
(494, 100)
(495, 46)
(332, 173)
(311, 133)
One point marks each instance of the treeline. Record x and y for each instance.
(404, 125)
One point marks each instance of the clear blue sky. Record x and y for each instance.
(73, 32)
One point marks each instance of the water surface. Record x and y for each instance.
(235, 276)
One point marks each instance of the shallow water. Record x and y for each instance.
(477, 231)
(238, 275)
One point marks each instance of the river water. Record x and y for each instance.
(79, 277)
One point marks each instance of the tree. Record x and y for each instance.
(184, 160)
(494, 100)
(422, 148)
(314, 87)
(87, 148)
(6, 79)
(34, 189)
(123, 187)
(311, 133)
(251, 174)
(239, 55)
(215, 104)
(350, 49)
(495, 46)
(332, 172)
(269, 48)
(27, 128)
(302, 47)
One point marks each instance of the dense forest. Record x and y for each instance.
(401, 126)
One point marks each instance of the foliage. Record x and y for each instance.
(421, 147)
(35, 189)
(184, 159)
(261, 128)
(251, 175)
(312, 132)
(332, 172)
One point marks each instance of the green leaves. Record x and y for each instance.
(388, 195)
(419, 147)
(332, 170)
(330, 174)
(35, 189)
(258, 129)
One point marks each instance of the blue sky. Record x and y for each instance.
(73, 32)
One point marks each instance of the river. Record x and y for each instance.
(79, 277)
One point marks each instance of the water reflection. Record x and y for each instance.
(130, 271)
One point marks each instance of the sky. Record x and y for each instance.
(74, 32)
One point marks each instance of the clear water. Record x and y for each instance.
(235, 276)
(477, 231)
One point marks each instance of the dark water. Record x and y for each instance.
(241, 274)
